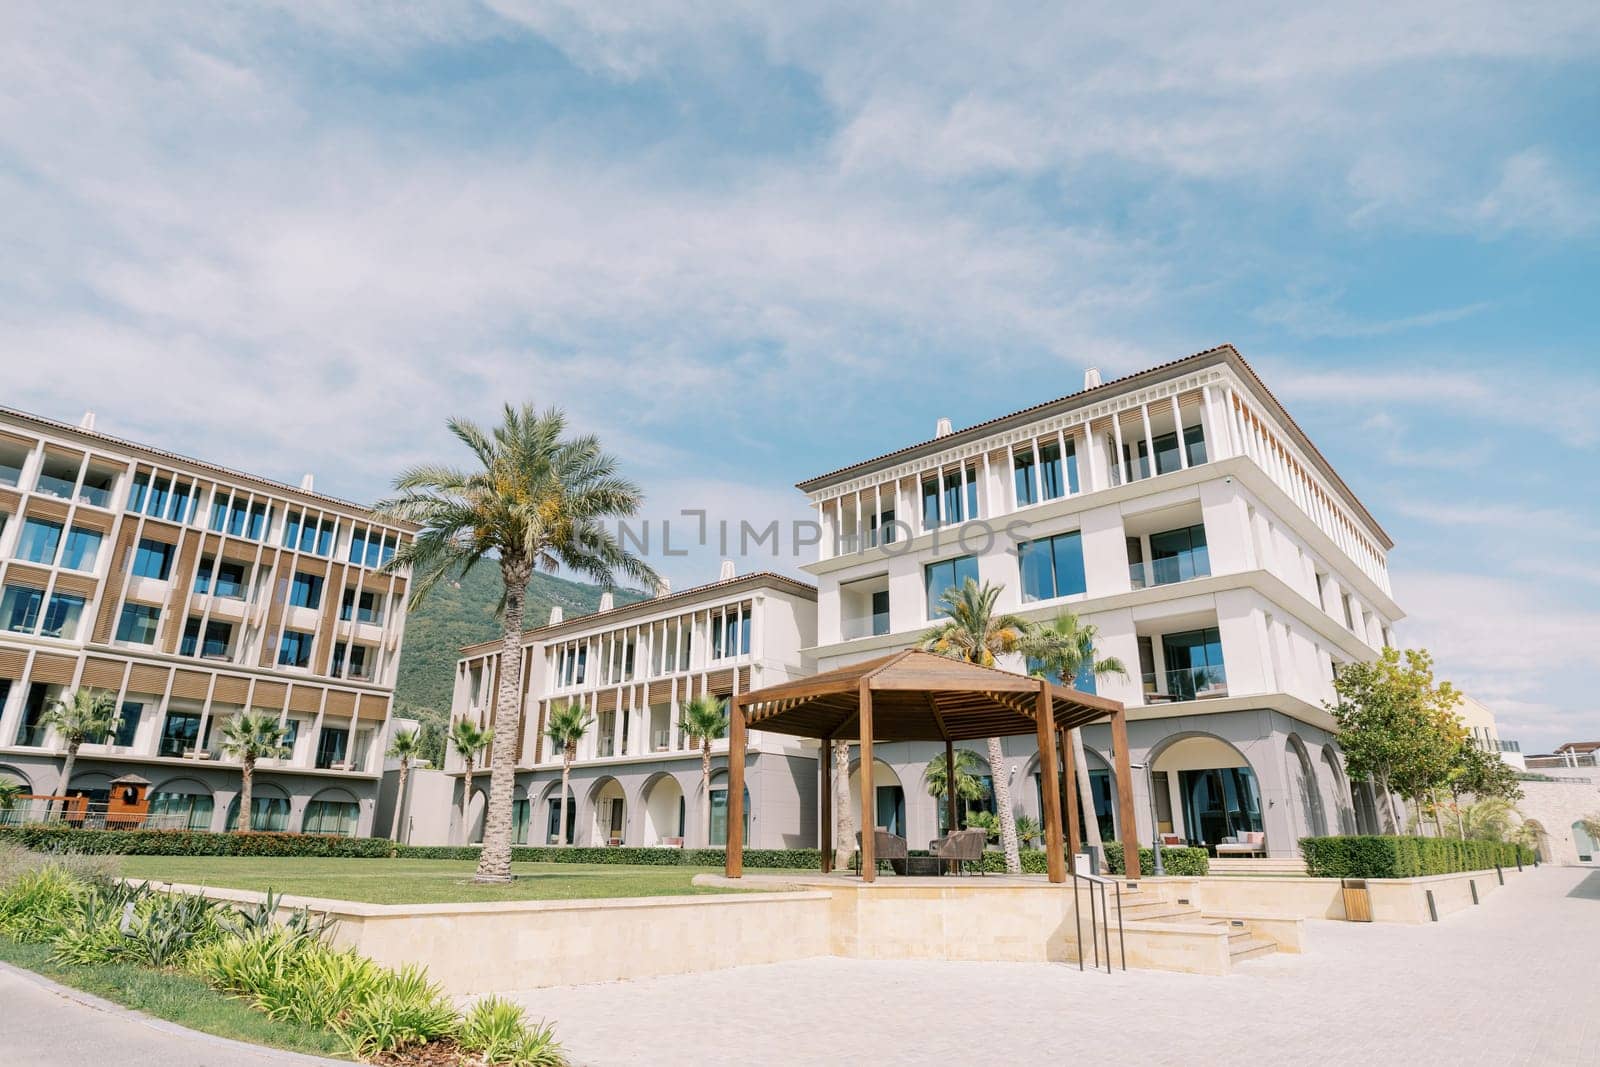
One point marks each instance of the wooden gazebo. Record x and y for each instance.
(918, 696)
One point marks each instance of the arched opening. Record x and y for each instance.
(719, 810)
(1343, 811)
(1307, 791)
(664, 811)
(610, 807)
(19, 811)
(966, 807)
(332, 811)
(889, 798)
(550, 803)
(1217, 789)
(1584, 842)
(181, 804)
(477, 812)
(269, 809)
(1366, 805)
(1541, 840)
(521, 815)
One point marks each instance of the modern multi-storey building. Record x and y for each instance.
(1184, 514)
(637, 779)
(1180, 511)
(192, 592)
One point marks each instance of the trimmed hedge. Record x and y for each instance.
(789, 859)
(48, 838)
(1373, 856)
(1178, 862)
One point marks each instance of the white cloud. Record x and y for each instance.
(1534, 194)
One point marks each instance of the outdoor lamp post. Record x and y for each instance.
(1155, 824)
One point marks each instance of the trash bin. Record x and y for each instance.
(1357, 901)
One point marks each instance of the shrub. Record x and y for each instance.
(493, 1028)
(787, 859)
(404, 1010)
(1373, 856)
(93, 869)
(53, 838)
(1178, 862)
(39, 904)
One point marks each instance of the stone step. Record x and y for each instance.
(1157, 911)
(1249, 949)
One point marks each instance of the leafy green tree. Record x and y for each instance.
(703, 719)
(1482, 775)
(973, 632)
(84, 715)
(1029, 832)
(247, 737)
(968, 785)
(469, 740)
(1061, 649)
(1397, 727)
(405, 747)
(565, 726)
(535, 500)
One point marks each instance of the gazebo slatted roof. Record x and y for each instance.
(917, 696)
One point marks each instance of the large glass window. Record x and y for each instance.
(359, 656)
(61, 617)
(181, 811)
(138, 624)
(1194, 443)
(267, 814)
(38, 541)
(217, 639)
(295, 649)
(83, 549)
(553, 820)
(162, 498)
(306, 535)
(719, 814)
(32, 729)
(945, 575)
(1051, 566)
(179, 733)
(521, 813)
(1218, 803)
(306, 591)
(1178, 555)
(362, 605)
(1194, 664)
(153, 559)
(225, 579)
(960, 498)
(331, 817)
(19, 608)
(1054, 476)
(239, 518)
(128, 723)
(331, 746)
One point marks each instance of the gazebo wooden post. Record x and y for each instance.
(869, 821)
(825, 831)
(950, 796)
(1069, 789)
(1044, 715)
(733, 862)
(1130, 828)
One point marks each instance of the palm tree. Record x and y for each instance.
(87, 714)
(406, 746)
(973, 632)
(968, 787)
(704, 719)
(844, 819)
(469, 739)
(11, 791)
(247, 737)
(1060, 650)
(535, 500)
(565, 726)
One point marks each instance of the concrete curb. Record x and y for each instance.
(222, 1044)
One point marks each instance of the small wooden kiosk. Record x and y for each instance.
(918, 696)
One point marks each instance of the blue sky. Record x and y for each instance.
(747, 245)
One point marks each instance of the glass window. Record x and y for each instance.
(958, 506)
(719, 814)
(1194, 663)
(215, 646)
(521, 813)
(306, 591)
(944, 575)
(295, 649)
(229, 578)
(32, 730)
(19, 608)
(880, 612)
(61, 617)
(153, 559)
(361, 605)
(83, 549)
(181, 811)
(358, 660)
(267, 814)
(1052, 566)
(1178, 555)
(138, 624)
(38, 541)
(358, 546)
(179, 733)
(128, 724)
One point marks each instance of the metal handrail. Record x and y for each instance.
(1105, 916)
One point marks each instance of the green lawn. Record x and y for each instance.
(397, 881)
(178, 998)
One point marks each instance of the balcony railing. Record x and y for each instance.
(661, 741)
(61, 487)
(856, 627)
(10, 474)
(1166, 571)
(605, 746)
(1186, 683)
(78, 812)
(94, 494)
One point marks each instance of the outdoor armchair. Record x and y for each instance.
(962, 846)
(886, 847)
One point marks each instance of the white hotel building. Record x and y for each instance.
(1179, 510)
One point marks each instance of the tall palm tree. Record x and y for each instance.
(565, 726)
(469, 740)
(247, 737)
(844, 819)
(972, 632)
(968, 787)
(535, 500)
(406, 746)
(84, 715)
(703, 719)
(1060, 650)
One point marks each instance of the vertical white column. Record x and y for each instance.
(1177, 421)
(861, 540)
(1038, 471)
(1011, 477)
(1122, 462)
(938, 489)
(1149, 440)
(966, 492)
(987, 508)
(1061, 457)
(877, 513)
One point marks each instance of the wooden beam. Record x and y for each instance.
(938, 716)
(950, 788)
(869, 820)
(1130, 829)
(733, 864)
(1055, 857)
(1069, 790)
(825, 831)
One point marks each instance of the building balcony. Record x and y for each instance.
(1185, 683)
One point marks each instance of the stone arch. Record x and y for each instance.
(889, 802)
(665, 809)
(608, 802)
(717, 809)
(333, 810)
(16, 774)
(1302, 778)
(181, 803)
(1339, 785)
(980, 768)
(1218, 790)
(1541, 838)
(272, 815)
(542, 817)
(1584, 843)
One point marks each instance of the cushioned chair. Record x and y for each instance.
(962, 846)
(886, 848)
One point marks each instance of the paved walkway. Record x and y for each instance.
(40, 1027)
(1512, 981)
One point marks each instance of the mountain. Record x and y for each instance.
(463, 613)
